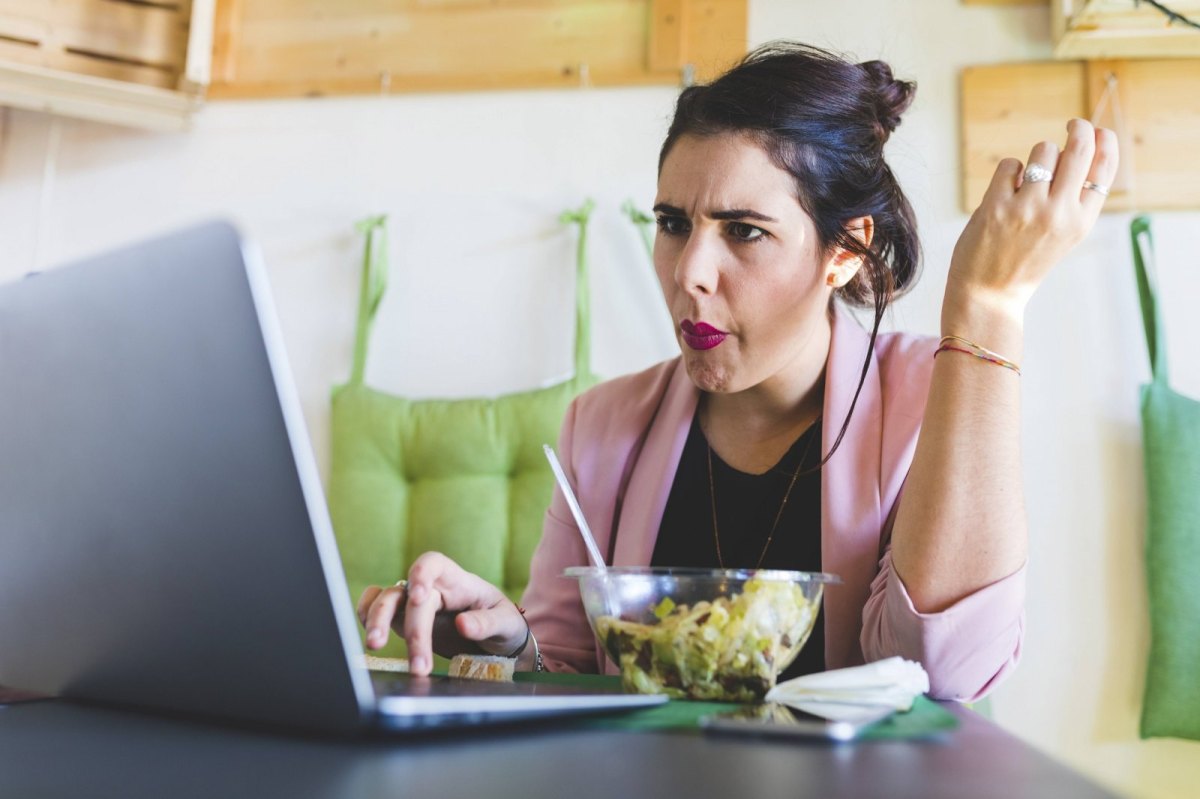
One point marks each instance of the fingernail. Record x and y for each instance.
(416, 593)
(375, 637)
(419, 665)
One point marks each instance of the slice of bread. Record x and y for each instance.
(376, 663)
(483, 667)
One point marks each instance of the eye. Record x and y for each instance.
(745, 232)
(673, 225)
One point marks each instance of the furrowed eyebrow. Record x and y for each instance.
(741, 213)
(733, 214)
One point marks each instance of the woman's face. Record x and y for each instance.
(740, 266)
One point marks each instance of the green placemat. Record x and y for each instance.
(927, 718)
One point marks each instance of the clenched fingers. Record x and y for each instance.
(436, 582)
(376, 609)
(424, 601)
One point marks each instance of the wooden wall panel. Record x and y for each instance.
(1008, 108)
(269, 48)
(1161, 102)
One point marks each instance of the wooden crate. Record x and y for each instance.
(272, 48)
(137, 62)
(1109, 29)
(1008, 108)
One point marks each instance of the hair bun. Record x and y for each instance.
(892, 97)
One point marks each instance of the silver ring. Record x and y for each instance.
(1096, 187)
(402, 585)
(1036, 173)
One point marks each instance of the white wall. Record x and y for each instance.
(480, 300)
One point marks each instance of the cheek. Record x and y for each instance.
(783, 306)
(664, 265)
(665, 284)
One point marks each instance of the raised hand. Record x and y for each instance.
(1030, 218)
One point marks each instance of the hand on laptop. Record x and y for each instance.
(443, 609)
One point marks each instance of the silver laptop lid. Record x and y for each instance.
(164, 540)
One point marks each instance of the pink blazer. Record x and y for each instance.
(620, 446)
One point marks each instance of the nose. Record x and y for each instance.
(696, 269)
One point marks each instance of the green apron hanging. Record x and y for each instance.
(1171, 438)
(464, 477)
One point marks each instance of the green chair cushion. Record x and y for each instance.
(464, 477)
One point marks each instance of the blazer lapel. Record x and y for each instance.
(654, 473)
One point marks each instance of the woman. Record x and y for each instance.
(786, 435)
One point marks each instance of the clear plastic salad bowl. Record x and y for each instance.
(714, 634)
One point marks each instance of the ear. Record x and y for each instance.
(843, 265)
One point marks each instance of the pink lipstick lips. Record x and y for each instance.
(701, 336)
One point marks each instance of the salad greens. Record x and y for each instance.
(730, 649)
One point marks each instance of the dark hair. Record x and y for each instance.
(824, 120)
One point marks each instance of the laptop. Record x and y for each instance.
(164, 539)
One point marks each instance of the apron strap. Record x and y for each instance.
(373, 284)
(644, 223)
(1144, 265)
(371, 288)
(583, 325)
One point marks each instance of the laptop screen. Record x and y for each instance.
(164, 541)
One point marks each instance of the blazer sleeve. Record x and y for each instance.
(967, 649)
(971, 646)
(552, 605)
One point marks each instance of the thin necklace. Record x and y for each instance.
(712, 494)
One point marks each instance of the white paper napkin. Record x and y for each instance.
(857, 694)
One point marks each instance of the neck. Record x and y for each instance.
(752, 428)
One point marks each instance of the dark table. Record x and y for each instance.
(53, 749)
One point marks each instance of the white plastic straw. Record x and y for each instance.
(584, 530)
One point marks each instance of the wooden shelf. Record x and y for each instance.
(131, 62)
(150, 63)
(275, 48)
(1108, 29)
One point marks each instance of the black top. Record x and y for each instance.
(746, 508)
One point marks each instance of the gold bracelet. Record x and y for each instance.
(982, 353)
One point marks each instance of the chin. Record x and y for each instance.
(706, 375)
